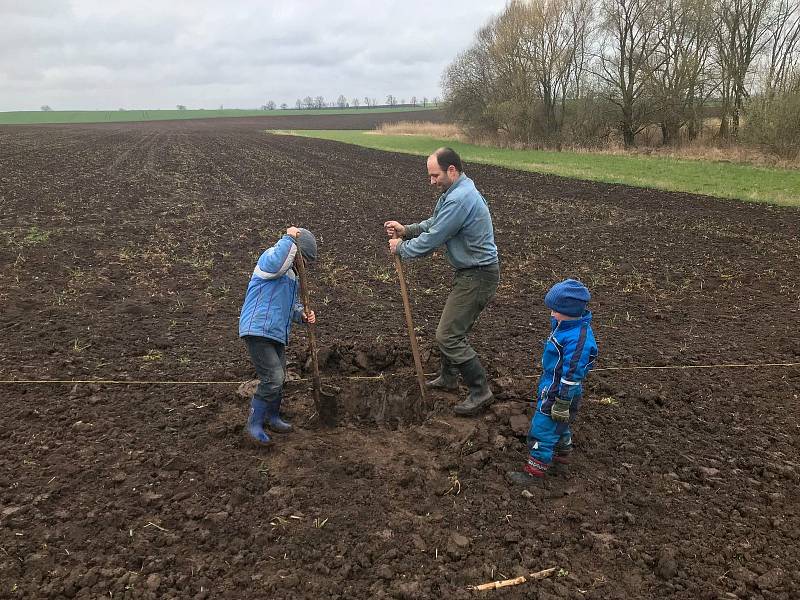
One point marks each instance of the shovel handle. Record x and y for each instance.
(412, 336)
(312, 335)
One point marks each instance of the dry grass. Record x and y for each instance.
(444, 131)
(704, 148)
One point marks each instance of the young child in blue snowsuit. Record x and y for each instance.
(270, 306)
(569, 355)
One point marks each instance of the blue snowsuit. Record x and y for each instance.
(569, 355)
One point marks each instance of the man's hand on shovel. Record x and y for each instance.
(309, 317)
(394, 229)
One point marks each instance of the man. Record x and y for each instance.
(461, 221)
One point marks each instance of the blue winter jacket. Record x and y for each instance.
(270, 304)
(569, 355)
(461, 220)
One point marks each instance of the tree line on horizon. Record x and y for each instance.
(582, 72)
(319, 102)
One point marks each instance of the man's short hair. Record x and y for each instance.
(446, 157)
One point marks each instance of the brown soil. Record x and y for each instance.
(124, 255)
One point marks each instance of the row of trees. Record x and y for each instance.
(579, 70)
(319, 102)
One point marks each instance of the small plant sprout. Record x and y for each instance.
(77, 346)
(455, 485)
(36, 236)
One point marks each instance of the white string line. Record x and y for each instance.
(367, 377)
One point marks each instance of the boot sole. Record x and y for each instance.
(441, 388)
(280, 430)
(530, 482)
(474, 411)
(258, 443)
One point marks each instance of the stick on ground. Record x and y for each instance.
(496, 585)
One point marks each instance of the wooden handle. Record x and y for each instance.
(312, 336)
(412, 336)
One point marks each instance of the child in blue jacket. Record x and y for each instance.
(569, 355)
(270, 306)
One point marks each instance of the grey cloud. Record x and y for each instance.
(96, 54)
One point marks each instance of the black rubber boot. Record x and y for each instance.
(447, 379)
(480, 396)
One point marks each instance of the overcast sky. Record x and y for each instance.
(110, 54)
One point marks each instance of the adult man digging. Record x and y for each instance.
(462, 222)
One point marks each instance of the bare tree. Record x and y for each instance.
(341, 102)
(741, 37)
(319, 102)
(308, 102)
(354, 102)
(680, 81)
(553, 48)
(299, 104)
(413, 100)
(523, 67)
(633, 34)
(783, 34)
(391, 100)
(472, 86)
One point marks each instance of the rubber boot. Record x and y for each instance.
(255, 423)
(274, 420)
(532, 475)
(480, 396)
(447, 379)
(561, 464)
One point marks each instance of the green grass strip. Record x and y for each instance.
(723, 180)
(122, 116)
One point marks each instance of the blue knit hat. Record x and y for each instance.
(568, 297)
(307, 244)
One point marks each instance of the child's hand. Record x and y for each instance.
(560, 411)
(293, 231)
(309, 317)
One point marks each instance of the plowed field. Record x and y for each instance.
(125, 251)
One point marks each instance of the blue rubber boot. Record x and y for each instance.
(274, 420)
(255, 423)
